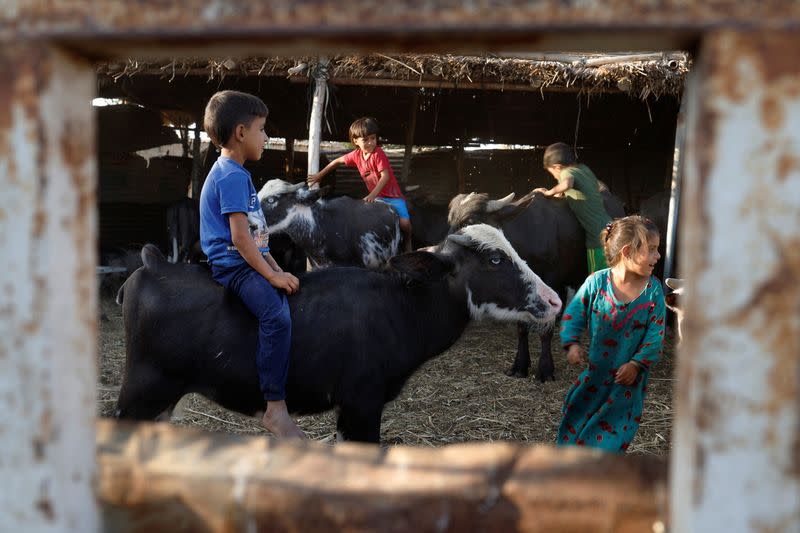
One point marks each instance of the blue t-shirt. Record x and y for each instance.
(229, 189)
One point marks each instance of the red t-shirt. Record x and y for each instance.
(371, 168)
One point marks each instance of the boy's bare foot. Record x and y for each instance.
(277, 420)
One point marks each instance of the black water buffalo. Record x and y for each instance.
(428, 218)
(287, 254)
(546, 234)
(183, 231)
(341, 231)
(183, 228)
(357, 335)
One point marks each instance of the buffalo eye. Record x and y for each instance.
(271, 199)
(496, 259)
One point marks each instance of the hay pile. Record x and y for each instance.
(639, 75)
(460, 396)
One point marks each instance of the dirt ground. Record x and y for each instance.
(462, 395)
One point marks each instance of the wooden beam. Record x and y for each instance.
(289, 164)
(48, 334)
(458, 156)
(736, 442)
(442, 84)
(154, 476)
(109, 29)
(197, 162)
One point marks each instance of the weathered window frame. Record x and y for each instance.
(736, 458)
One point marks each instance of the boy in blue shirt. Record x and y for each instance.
(235, 237)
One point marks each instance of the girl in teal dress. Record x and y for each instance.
(622, 307)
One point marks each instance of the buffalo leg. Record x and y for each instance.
(145, 394)
(522, 361)
(546, 368)
(359, 424)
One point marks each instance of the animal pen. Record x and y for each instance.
(735, 464)
(473, 123)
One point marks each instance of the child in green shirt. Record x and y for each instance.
(579, 184)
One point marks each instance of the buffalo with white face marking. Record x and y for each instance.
(548, 237)
(357, 335)
(340, 231)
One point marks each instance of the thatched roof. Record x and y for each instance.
(639, 75)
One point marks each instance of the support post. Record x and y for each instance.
(317, 111)
(736, 440)
(197, 164)
(48, 330)
(458, 155)
(675, 189)
(288, 169)
(412, 126)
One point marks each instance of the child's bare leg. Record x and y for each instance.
(405, 227)
(279, 423)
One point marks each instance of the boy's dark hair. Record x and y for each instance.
(559, 154)
(363, 127)
(226, 110)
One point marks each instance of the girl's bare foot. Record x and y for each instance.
(277, 420)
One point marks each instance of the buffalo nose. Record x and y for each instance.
(555, 303)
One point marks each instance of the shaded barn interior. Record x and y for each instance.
(625, 132)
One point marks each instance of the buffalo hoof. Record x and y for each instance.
(516, 373)
(544, 376)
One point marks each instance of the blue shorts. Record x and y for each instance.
(398, 204)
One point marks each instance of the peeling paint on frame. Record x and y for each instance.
(737, 423)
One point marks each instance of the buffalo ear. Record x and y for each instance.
(152, 257)
(423, 266)
(675, 284)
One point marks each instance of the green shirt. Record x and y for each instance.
(585, 201)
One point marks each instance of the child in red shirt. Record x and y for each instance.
(375, 170)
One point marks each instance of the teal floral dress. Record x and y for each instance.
(598, 412)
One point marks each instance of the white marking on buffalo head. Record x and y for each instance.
(277, 187)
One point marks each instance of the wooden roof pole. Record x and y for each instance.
(317, 110)
(197, 163)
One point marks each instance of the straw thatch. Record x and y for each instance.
(640, 75)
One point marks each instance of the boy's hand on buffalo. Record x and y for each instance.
(313, 178)
(626, 374)
(576, 355)
(285, 281)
